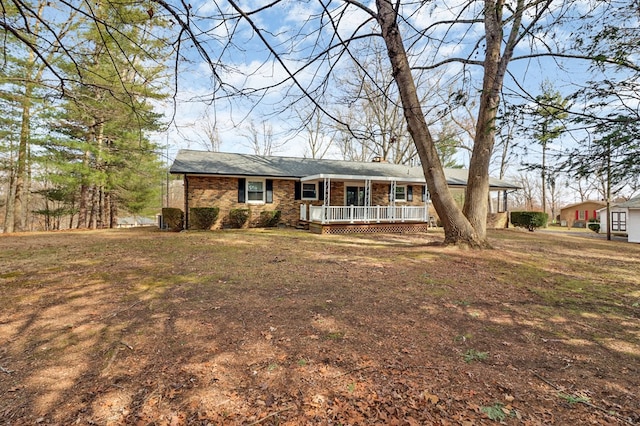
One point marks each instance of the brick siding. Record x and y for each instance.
(222, 192)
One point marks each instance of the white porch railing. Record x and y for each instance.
(362, 214)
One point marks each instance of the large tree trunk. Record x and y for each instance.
(495, 67)
(476, 194)
(113, 210)
(94, 208)
(82, 206)
(457, 229)
(19, 206)
(11, 196)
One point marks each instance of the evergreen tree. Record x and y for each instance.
(547, 125)
(102, 142)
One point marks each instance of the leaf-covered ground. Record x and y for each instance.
(280, 327)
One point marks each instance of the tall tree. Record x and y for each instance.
(547, 125)
(369, 104)
(106, 116)
(25, 80)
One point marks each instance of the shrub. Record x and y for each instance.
(269, 218)
(173, 218)
(238, 217)
(529, 220)
(203, 217)
(594, 225)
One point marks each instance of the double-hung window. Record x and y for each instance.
(401, 193)
(309, 191)
(255, 191)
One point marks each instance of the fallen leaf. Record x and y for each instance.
(433, 399)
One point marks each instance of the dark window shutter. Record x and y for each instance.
(297, 190)
(424, 193)
(269, 194)
(391, 196)
(409, 193)
(242, 182)
(321, 191)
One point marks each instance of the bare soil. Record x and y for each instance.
(282, 327)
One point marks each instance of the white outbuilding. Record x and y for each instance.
(625, 219)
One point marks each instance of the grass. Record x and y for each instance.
(574, 399)
(495, 412)
(474, 355)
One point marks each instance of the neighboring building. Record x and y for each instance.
(625, 219)
(578, 215)
(328, 195)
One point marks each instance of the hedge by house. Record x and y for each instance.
(203, 217)
(173, 218)
(269, 218)
(529, 220)
(238, 217)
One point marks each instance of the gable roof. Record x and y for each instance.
(633, 203)
(596, 202)
(230, 164)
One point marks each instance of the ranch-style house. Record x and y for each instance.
(328, 196)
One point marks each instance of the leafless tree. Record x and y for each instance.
(526, 198)
(319, 139)
(260, 140)
(210, 138)
(584, 187)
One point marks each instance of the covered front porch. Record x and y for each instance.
(363, 214)
(364, 204)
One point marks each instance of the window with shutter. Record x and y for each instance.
(309, 191)
(297, 190)
(241, 190)
(269, 193)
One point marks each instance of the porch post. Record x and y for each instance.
(367, 199)
(327, 199)
(426, 206)
(392, 199)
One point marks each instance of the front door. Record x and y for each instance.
(354, 196)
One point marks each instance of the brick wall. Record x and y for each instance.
(222, 192)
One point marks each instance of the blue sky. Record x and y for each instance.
(252, 66)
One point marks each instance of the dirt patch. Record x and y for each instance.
(287, 328)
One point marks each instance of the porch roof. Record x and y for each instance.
(230, 164)
(323, 176)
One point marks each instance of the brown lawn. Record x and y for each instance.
(281, 327)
